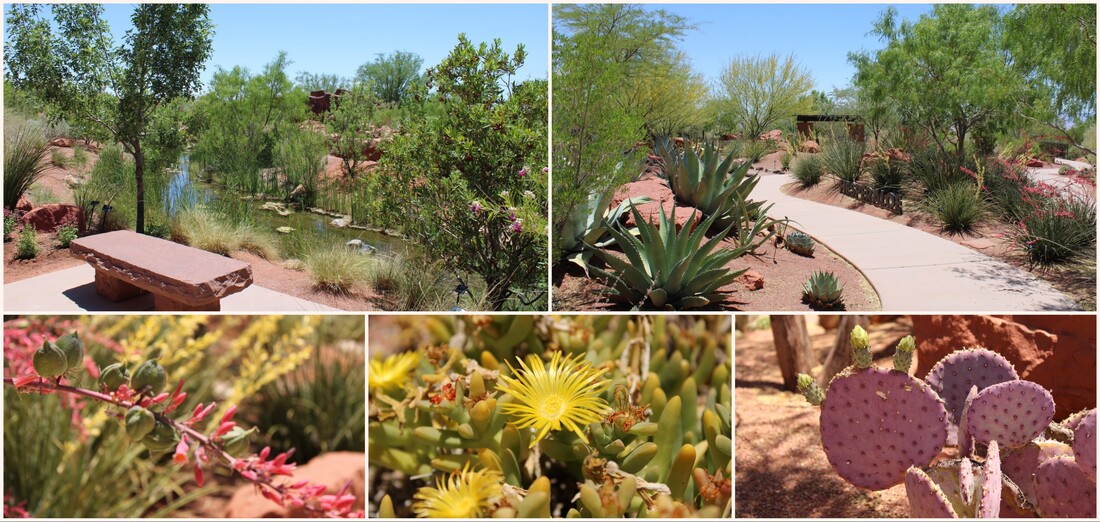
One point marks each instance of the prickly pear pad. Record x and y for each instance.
(926, 499)
(1063, 490)
(876, 423)
(952, 377)
(1020, 464)
(989, 505)
(1013, 413)
(947, 474)
(1084, 444)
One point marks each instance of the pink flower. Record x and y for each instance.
(523, 172)
(229, 414)
(24, 380)
(517, 226)
(545, 170)
(475, 207)
(182, 448)
(199, 477)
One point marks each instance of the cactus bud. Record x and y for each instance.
(809, 388)
(149, 378)
(113, 376)
(73, 348)
(139, 422)
(49, 361)
(903, 355)
(162, 438)
(237, 440)
(861, 351)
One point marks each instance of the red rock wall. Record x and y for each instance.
(1056, 351)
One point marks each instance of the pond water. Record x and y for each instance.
(184, 190)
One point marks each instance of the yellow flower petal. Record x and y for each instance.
(562, 396)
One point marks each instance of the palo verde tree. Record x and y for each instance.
(110, 91)
(756, 92)
(945, 73)
(391, 76)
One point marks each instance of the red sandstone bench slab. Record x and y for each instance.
(181, 278)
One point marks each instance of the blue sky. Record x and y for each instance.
(820, 36)
(337, 38)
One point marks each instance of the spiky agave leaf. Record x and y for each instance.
(800, 243)
(715, 188)
(823, 291)
(668, 269)
(586, 230)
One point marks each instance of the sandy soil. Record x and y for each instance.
(51, 258)
(991, 237)
(781, 470)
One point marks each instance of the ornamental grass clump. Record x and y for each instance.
(522, 416)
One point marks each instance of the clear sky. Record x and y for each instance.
(819, 36)
(337, 38)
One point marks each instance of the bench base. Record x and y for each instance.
(165, 304)
(114, 288)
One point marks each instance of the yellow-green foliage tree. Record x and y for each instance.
(755, 93)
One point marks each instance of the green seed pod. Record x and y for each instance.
(809, 388)
(861, 351)
(236, 442)
(385, 509)
(903, 356)
(149, 378)
(73, 348)
(113, 376)
(139, 422)
(162, 438)
(49, 361)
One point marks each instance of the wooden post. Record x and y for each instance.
(792, 348)
(840, 357)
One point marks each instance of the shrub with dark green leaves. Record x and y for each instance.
(27, 246)
(959, 207)
(66, 234)
(1061, 226)
(886, 174)
(842, 158)
(9, 224)
(808, 169)
(25, 152)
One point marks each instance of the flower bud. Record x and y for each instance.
(861, 352)
(162, 438)
(149, 378)
(49, 361)
(809, 388)
(903, 355)
(139, 422)
(73, 348)
(113, 376)
(236, 442)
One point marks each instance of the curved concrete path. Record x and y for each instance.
(913, 270)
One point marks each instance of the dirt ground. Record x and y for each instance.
(991, 237)
(781, 470)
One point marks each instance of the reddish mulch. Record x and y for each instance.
(51, 258)
(781, 470)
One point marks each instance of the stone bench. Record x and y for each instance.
(181, 278)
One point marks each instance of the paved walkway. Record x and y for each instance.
(73, 290)
(912, 270)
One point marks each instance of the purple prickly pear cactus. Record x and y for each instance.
(989, 505)
(876, 423)
(1062, 490)
(966, 480)
(1084, 444)
(948, 475)
(966, 440)
(926, 499)
(952, 377)
(1012, 413)
(1020, 464)
(1071, 422)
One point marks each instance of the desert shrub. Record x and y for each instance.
(410, 282)
(66, 234)
(886, 174)
(959, 207)
(80, 157)
(9, 224)
(808, 169)
(1061, 226)
(27, 246)
(336, 270)
(753, 150)
(300, 156)
(217, 233)
(785, 159)
(841, 157)
(25, 151)
(58, 159)
(936, 170)
(1006, 183)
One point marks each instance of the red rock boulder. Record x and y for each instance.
(772, 135)
(729, 137)
(49, 218)
(810, 146)
(898, 155)
(334, 470)
(65, 143)
(1035, 163)
(24, 204)
(751, 280)
(1056, 351)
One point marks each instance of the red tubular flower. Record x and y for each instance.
(182, 448)
(229, 414)
(199, 477)
(224, 428)
(24, 380)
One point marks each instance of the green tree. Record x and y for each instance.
(608, 66)
(754, 93)
(351, 122)
(321, 81)
(391, 76)
(945, 73)
(465, 176)
(110, 91)
(1054, 47)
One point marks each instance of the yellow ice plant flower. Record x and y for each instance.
(563, 395)
(392, 372)
(462, 494)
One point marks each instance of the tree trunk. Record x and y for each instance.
(840, 357)
(960, 148)
(792, 348)
(139, 176)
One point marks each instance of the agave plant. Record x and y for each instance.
(823, 291)
(800, 243)
(668, 269)
(716, 189)
(587, 229)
